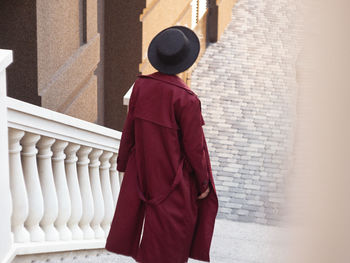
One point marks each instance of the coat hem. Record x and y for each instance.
(200, 259)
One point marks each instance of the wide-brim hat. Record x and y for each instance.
(174, 50)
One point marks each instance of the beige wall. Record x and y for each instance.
(224, 14)
(220, 15)
(68, 54)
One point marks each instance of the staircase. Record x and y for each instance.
(59, 183)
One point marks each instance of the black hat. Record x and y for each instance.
(174, 50)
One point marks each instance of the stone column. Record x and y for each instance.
(123, 54)
(5, 200)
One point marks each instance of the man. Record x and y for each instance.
(167, 202)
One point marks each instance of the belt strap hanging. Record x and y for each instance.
(160, 198)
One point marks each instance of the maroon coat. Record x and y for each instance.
(165, 158)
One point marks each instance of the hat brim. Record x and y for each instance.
(194, 47)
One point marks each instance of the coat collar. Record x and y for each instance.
(171, 79)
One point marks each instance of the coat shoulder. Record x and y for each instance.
(191, 98)
(167, 80)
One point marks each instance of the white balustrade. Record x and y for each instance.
(62, 176)
(74, 190)
(31, 176)
(194, 15)
(48, 188)
(64, 204)
(199, 7)
(106, 191)
(202, 8)
(85, 189)
(115, 180)
(18, 188)
(96, 193)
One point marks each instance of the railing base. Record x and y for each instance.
(35, 248)
(59, 246)
(78, 256)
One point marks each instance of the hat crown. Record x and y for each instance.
(173, 50)
(172, 46)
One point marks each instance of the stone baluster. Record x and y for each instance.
(106, 191)
(86, 194)
(35, 198)
(64, 205)
(96, 193)
(48, 188)
(74, 190)
(115, 180)
(18, 188)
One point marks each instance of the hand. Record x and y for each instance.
(204, 194)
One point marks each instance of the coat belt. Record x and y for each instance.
(160, 198)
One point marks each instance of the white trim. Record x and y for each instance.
(126, 98)
(194, 8)
(10, 255)
(5, 58)
(32, 118)
(5, 201)
(202, 8)
(57, 246)
(51, 247)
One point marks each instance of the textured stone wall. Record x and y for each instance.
(68, 54)
(246, 83)
(18, 33)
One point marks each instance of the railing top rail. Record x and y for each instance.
(32, 118)
(5, 58)
(126, 98)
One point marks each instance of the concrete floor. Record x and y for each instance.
(237, 242)
(233, 242)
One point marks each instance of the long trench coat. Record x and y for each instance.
(158, 218)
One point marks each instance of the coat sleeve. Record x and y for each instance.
(128, 137)
(194, 143)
